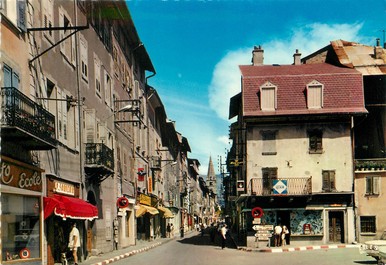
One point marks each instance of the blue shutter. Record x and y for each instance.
(21, 15)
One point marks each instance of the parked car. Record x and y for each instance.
(372, 247)
(382, 256)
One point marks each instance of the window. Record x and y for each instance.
(48, 18)
(84, 57)
(11, 78)
(268, 96)
(315, 95)
(269, 142)
(107, 89)
(20, 226)
(269, 174)
(315, 141)
(97, 67)
(372, 185)
(328, 180)
(15, 12)
(67, 47)
(368, 224)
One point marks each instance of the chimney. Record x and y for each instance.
(257, 56)
(378, 50)
(297, 56)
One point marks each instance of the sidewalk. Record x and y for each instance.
(297, 248)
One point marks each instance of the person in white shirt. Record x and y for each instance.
(74, 242)
(277, 230)
(223, 232)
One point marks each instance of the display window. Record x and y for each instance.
(20, 227)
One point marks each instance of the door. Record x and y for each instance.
(336, 227)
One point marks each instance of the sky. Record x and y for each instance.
(196, 47)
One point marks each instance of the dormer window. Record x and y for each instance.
(268, 96)
(315, 95)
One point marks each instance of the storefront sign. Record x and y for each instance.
(20, 175)
(280, 187)
(64, 188)
(144, 199)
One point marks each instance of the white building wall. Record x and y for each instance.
(293, 158)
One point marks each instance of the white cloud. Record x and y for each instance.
(226, 78)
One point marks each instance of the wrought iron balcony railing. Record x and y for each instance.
(22, 118)
(98, 155)
(282, 186)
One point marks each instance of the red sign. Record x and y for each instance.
(141, 174)
(257, 212)
(122, 202)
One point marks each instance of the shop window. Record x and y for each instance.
(328, 180)
(20, 227)
(368, 224)
(372, 185)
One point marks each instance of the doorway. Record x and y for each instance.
(336, 227)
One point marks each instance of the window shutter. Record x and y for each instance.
(90, 125)
(325, 181)
(376, 185)
(332, 180)
(21, 15)
(368, 185)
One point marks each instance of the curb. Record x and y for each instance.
(128, 254)
(292, 249)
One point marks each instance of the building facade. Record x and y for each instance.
(295, 166)
(84, 138)
(369, 131)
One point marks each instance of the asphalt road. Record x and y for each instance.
(197, 250)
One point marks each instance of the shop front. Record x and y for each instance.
(21, 212)
(311, 220)
(62, 209)
(145, 213)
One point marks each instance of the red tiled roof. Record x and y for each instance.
(342, 93)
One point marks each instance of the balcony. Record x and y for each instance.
(282, 186)
(25, 122)
(99, 163)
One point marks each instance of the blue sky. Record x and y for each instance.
(196, 47)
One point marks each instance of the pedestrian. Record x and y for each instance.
(212, 233)
(223, 232)
(171, 230)
(168, 230)
(286, 235)
(74, 242)
(182, 231)
(277, 233)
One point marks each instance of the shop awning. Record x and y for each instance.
(166, 211)
(145, 209)
(69, 207)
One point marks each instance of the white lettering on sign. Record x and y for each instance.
(6, 176)
(26, 182)
(64, 188)
(19, 176)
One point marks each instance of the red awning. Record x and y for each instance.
(68, 207)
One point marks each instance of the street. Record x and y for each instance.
(198, 250)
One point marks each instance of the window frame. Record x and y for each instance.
(331, 179)
(313, 86)
(263, 94)
(372, 185)
(315, 146)
(370, 225)
(269, 142)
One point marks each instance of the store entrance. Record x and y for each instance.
(336, 227)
